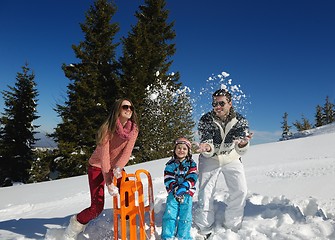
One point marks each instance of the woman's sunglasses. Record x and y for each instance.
(126, 107)
(221, 103)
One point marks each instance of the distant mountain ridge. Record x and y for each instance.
(44, 141)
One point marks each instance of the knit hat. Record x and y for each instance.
(183, 140)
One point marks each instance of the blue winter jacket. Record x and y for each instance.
(176, 172)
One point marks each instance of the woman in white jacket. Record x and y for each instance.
(224, 137)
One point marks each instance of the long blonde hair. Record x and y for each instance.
(109, 125)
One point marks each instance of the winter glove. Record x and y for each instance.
(117, 172)
(180, 191)
(112, 189)
(182, 188)
(186, 185)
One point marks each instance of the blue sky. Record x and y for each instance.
(280, 52)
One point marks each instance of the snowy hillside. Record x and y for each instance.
(291, 196)
(314, 131)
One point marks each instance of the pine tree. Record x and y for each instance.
(298, 125)
(17, 128)
(147, 53)
(147, 50)
(182, 114)
(304, 125)
(329, 112)
(319, 117)
(41, 167)
(94, 87)
(286, 128)
(167, 116)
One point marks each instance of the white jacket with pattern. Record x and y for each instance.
(222, 136)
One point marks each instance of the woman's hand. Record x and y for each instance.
(117, 172)
(112, 189)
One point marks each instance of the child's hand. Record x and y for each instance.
(181, 190)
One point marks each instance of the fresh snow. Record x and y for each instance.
(291, 196)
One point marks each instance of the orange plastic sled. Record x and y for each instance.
(130, 208)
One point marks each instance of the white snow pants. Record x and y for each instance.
(233, 172)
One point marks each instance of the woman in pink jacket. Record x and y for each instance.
(115, 141)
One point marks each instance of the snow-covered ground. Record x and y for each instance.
(291, 196)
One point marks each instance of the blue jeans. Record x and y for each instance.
(177, 215)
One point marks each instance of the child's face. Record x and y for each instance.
(181, 151)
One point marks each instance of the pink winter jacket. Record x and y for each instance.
(114, 152)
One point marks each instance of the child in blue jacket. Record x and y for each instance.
(180, 177)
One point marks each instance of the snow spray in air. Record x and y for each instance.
(202, 99)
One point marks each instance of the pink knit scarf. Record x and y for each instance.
(125, 132)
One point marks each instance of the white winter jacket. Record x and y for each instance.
(222, 137)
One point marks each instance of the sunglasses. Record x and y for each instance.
(221, 103)
(126, 107)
